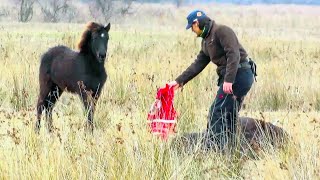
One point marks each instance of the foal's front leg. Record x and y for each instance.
(89, 104)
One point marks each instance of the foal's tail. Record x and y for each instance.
(45, 64)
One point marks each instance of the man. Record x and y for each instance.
(236, 74)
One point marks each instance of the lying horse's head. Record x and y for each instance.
(94, 41)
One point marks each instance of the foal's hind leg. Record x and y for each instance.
(51, 99)
(45, 88)
(49, 93)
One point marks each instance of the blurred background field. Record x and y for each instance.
(149, 47)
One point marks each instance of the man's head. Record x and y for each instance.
(196, 21)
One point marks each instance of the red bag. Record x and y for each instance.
(162, 116)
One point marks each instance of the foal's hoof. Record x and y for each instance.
(89, 127)
(37, 128)
(50, 128)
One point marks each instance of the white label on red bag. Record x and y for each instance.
(163, 121)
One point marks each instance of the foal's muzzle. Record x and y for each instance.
(101, 57)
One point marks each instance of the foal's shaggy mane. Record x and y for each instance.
(86, 36)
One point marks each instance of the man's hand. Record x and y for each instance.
(227, 88)
(174, 84)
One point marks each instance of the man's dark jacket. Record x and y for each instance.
(221, 46)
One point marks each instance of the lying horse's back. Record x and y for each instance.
(258, 130)
(256, 134)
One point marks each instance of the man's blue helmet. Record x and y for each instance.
(194, 16)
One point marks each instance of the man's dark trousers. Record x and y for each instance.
(223, 113)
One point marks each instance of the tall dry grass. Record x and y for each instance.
(142, 57)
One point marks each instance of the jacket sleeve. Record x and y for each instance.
(194, 69)
(230, 45)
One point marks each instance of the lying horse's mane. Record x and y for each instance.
(86, 35)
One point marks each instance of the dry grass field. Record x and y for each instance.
(146, 51)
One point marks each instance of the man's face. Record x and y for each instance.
(195, 28)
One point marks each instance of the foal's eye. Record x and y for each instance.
(102, 35)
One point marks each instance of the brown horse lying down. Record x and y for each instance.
(259, 132)
(254, 135)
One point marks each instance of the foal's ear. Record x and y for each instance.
(107, 27)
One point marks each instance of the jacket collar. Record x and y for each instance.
(211, 26)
